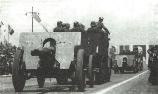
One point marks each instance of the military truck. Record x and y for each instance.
(61, 55)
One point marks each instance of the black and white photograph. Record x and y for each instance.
(78, 46)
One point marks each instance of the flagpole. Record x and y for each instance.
(32, 19)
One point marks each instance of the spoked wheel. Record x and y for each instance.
(90, 71)
(79, 73)
(18, 74)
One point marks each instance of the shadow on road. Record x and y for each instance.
(54, 88)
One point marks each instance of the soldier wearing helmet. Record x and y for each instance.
(77, 27)
(93, 37)
(93, 24)
(93, 27)
(101, 26)
(66, 27)
(59, 27)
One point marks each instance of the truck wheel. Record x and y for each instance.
(90, 71)
(109, 69)
(109, 75)
(18, 77)
(40, 81)
(80, 75)
(100, 77)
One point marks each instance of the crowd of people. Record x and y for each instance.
(7, 52)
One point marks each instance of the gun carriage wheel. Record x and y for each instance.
(18, 71)
(90, 71)
(79, 72)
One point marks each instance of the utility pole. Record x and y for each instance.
(32, 13)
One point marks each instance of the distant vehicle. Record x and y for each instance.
(61, 55)
(131, 61)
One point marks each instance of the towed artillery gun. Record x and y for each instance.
(61, 55)
(130, 61)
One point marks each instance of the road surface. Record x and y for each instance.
(119, 84)
(143, 87)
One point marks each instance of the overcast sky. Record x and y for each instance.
(129, 21)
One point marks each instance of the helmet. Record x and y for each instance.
(101, 18)
(93, 23)
(76, 24)
(59, 23)
(67, 25)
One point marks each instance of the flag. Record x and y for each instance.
(10, 30)
(44, 28)
(1, 23)
(36, 17)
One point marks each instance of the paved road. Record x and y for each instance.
(51, 86)
(143, 87)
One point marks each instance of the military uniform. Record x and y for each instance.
(66, 27)
(101, 26)
(59, 27)
(77, 28)
(97, 39)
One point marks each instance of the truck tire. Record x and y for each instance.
(90, 71)
(80, 75)
(109, 76)
(18, 77)
(109, 69)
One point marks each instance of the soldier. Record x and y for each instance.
(93, 27)
(152, 53)
(77, 27)
(82, 26)
(101, 26)
(66, 27)
(153, 65)
(59, 27)
(93, 37)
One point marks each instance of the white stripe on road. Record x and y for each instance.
(104, 91)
